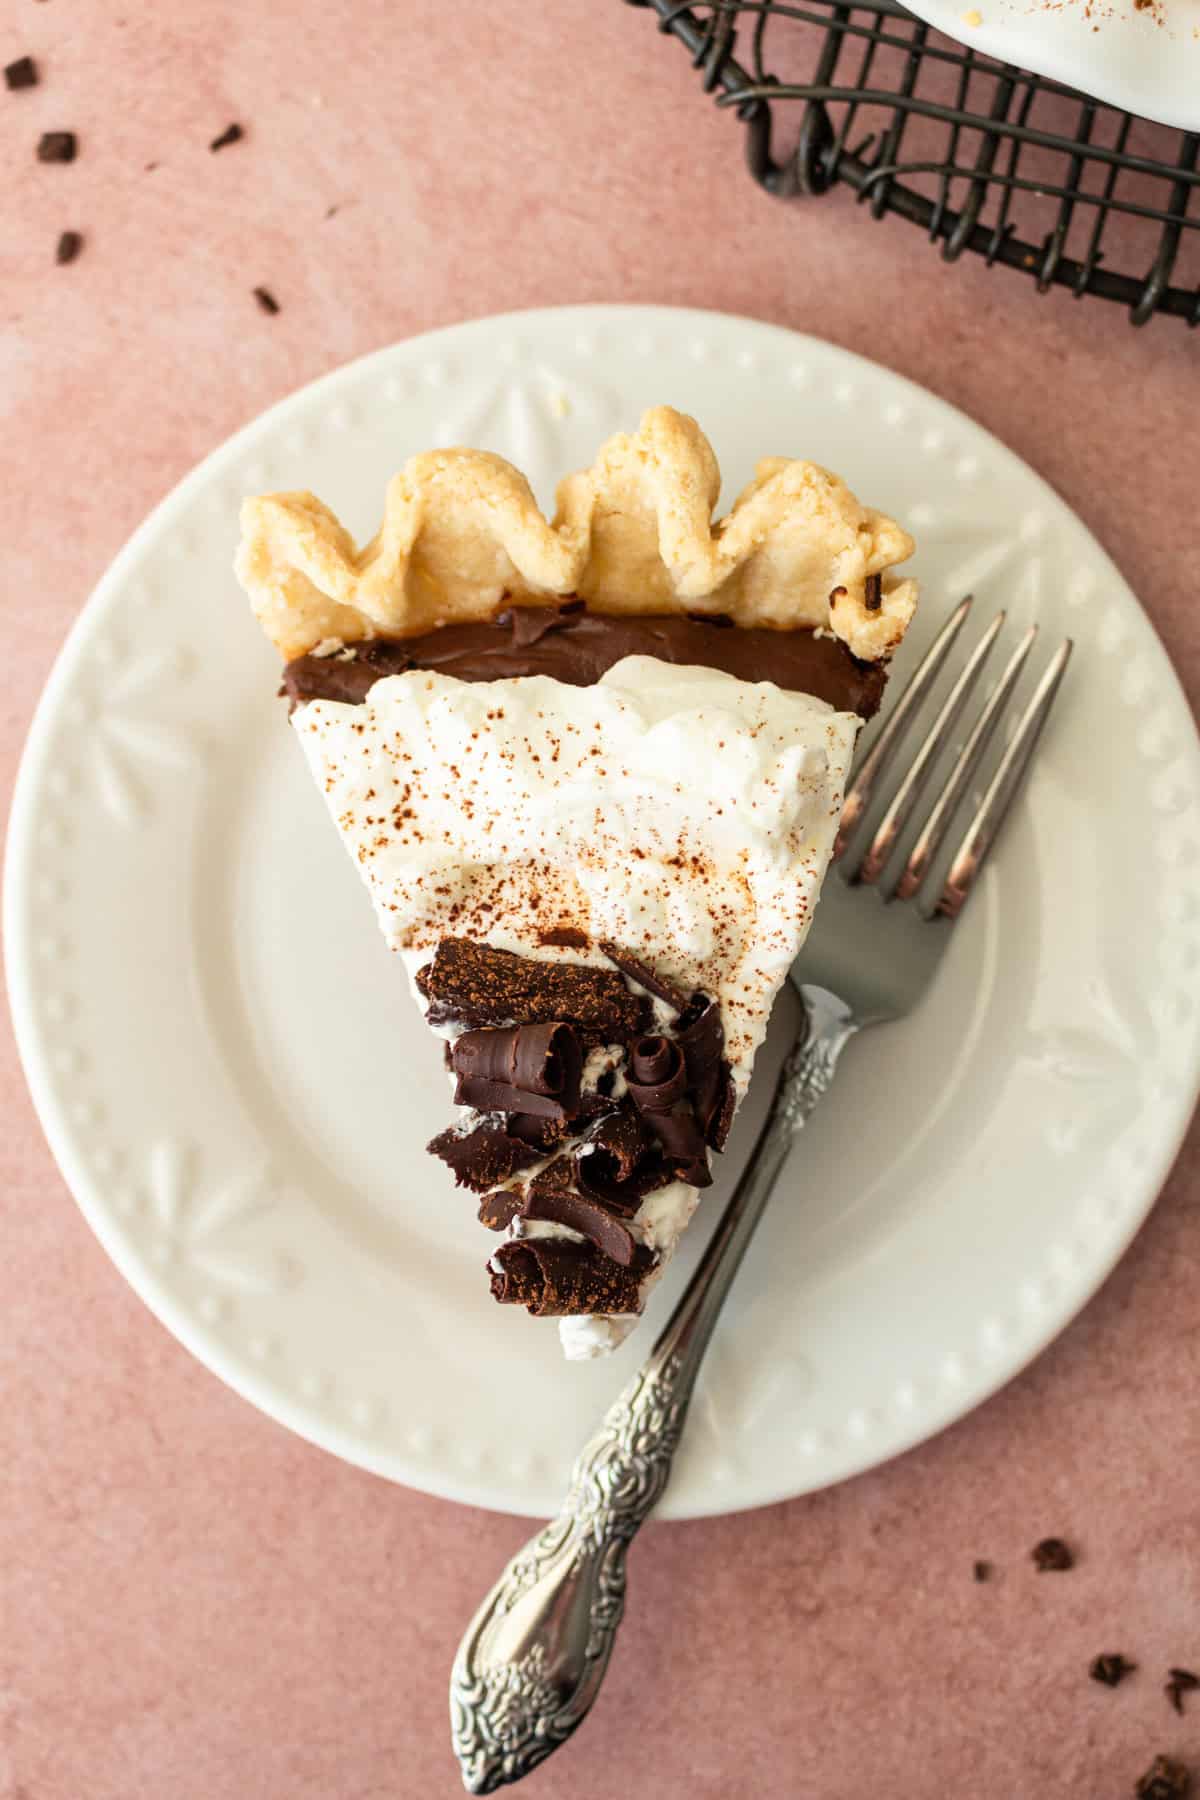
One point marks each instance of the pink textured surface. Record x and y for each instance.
(195, 1604)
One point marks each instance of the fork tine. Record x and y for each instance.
(907, 794)
(981, 832)
(899, 719)
(942, 813)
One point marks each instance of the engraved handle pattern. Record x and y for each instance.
(534, 1656)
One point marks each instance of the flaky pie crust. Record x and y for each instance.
(462, 533)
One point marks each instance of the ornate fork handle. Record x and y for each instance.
(534, 1656)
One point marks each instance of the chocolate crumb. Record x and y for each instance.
(1051, 1555)
(57, 147)
(20, 74)
(1111, 1669)
(266, 300)
(1164, 1780)
(232, 134)
(1181, 1682)
(982, 1571)
(873, 593)
(70, 243)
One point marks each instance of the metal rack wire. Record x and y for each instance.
(984, 156)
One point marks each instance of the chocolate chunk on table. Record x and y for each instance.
(1051, 1556)
(1110, 1669)
(57, 147)
(20, 74)
(1180, 1682)
(1165, 1779)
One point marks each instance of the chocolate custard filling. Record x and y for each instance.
(577, 646)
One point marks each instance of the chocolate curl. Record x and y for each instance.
(497, 1211)
(657, 1075)
(551, 1278)
(547, 1134)
(552, 1195)
(657, 1082)
(620, 1162)
(540, 1134)
(481, 1158)
(529, 1069)
(701, 1036)
(645, 976)
(473, 984)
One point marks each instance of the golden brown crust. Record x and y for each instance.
(633, 533)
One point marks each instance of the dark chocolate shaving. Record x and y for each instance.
(232, 134)
(701, 1037)
(497, 1211)
(645, 977)
(566, 937)
(69, 244)
(481, 1158)
(552, 1195)
(477, 985)
(620, 1161)
(873, 593)
(722, 1119)
(266, 300)
(552, 1279)
(658, 1082)
(527, 1069)
(542, 1134)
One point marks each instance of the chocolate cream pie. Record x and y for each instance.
(591, 772)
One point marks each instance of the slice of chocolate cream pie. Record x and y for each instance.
(591, 772)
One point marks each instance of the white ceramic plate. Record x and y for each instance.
(1144, 60)
(238, 1088)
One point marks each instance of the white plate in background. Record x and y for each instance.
(238, 1088)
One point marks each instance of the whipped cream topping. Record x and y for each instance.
(679, 812)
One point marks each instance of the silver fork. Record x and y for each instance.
(534, 1656)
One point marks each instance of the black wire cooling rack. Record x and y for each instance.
(982, 155)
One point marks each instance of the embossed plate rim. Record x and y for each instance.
(875, 1428)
